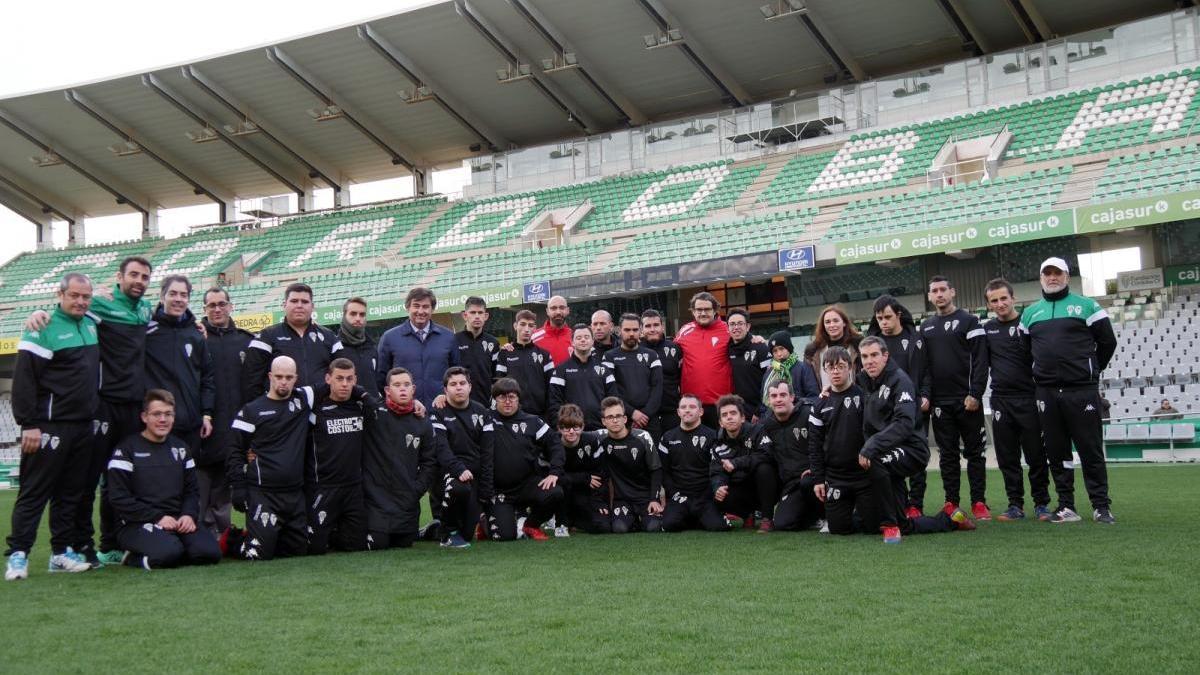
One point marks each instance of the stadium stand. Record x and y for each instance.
(715, 239)
(1149, 173)
(502, 268)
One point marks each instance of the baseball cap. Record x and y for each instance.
(1054, 262)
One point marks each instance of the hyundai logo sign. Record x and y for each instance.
(536, 291)
(797, 258)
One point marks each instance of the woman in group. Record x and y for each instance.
(833, 330)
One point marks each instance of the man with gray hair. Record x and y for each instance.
(1072, 341)
(54, 399)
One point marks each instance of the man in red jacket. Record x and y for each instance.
(555, 335)
(705, 344)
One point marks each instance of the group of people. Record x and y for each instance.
(327, 440)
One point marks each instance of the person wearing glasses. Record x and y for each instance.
(705, 371)
(634, 470)
(227, 346)
(583, 379)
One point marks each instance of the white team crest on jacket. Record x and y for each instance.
(476, 420)
(489, 347)
(524, 426)
(582, 452)
(946, 326)
(633, 451)
(99, 427)
(411, 441)
(846, 402)
(996, 415)
(1012, 330)
(516, 428)
(188, 349)
(537, 357)
(796, 431)
(715, 340)
(179, 454)
(885, 391)
(904, 344)
(954, 325)
(937, 412)
(292, 405)
(643, 357)
(748, 356)
(599, 369)
(1041, 406)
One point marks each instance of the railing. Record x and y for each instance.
(1141, 419)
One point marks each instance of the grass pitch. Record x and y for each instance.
(1028, 596)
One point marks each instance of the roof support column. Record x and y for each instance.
(421, 176)
(150, 224)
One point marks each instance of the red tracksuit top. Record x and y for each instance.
(557, 341)
(706, 371)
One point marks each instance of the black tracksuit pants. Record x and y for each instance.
(755, 494)
(686, 511)
(276, 524)
(56, 473)
(630, 515)
(1015, 429)
(502, 519)
(460, 507)
(953, 423)
(1072, 416)
(585, 508)
(920, 480)
(151, 547)
(114, 421)
(337, 518)
(798, 507)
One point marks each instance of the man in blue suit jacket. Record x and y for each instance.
(419, 345)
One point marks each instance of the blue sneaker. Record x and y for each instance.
(1042, 512)
(1013, 513)
(455, 540)
(67, 562)
(113, 557)
(18, 567)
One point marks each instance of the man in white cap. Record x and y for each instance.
(1072, 341)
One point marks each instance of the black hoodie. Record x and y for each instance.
(891, 413)
(177, 360)
(227, 347)
(906, 350)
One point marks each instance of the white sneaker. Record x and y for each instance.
(18, 567)
(562, 531)
(1065, 515)
(64, 562)
(521, 527)
(823, 526)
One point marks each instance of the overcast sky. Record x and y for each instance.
(54, 43)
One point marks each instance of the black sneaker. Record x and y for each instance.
(430, 531)
(1104, 516)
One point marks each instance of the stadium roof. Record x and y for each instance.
(177, 136)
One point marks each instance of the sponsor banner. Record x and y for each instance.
(256, 322)
(377, 310)
(495, 296)
(1140, 280)
(797, 258)
(8, 345)
(957, 237)
(1137, 212)
(1182, 275)
(536, 291)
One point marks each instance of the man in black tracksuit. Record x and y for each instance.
(634, 469)
(894, 323)
(671, 358)
(586, 505)
(528, 364)
(686, 458)
(266, 466)
(1015, 424)
(787, 426)
(835, 437)
(53, 399)
(1072, 341)
(466, 479)
(152, 487)
(743, 478)
(357, 345)
(956, 356)
(638, 372)
(177, 360)
(227, 346)
(748, 361)
(895, 443)
(333, 491)
(308, 344)
(478, 350)
(400, 462)
(523, 444)
(582, 379)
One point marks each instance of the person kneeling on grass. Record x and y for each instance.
(399, 464)
(686, 454)
(522, 442)
(634, 469)
(586, 505)
(466, 471)
(152, 489)
(743, 478)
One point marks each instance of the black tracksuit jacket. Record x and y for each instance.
(468, 435)
(671, 357)
(835, 435)
(177, 360)
(531, 366)
(955, 355)
(584, 384)
(686, 460)
(1009, 359)
(750, 447)
(891, 412)
(148, 480)
(479, 355)
(312, 352)
(639, 377)
(524, 446)
(227, 347)
(749, 362)
(789, 443)
(633, 466)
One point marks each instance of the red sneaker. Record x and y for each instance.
(912, 513)
(480, 533)
(949, 508)
(960, 518)
(534, 533)
(980, 511)
(766, 526)
(891, 534)
(748, 524)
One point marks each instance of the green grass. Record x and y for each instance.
(1009, 597)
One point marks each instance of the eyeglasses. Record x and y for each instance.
(702, 310)
(614, 417)
(217, 305)
(836, 367)
(507, 397)
(162, 415)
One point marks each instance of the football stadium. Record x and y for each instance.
(726, 280)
